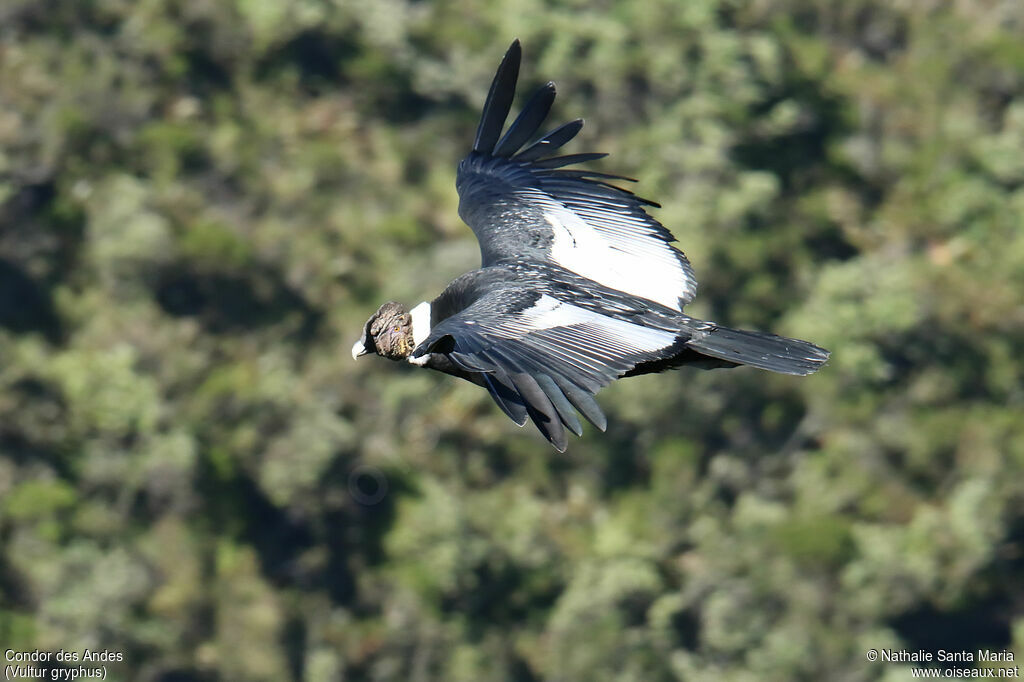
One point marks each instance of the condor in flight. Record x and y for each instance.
(578, 285)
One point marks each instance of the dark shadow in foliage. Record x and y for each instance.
(327, 62)
(756, 430)
(625, 466)
(763, 428)
(236, 506)
(36, 430)
(829, 243)
(493, 463)
(393, 97)
(36, 224)
(31, 201)
(798, 157)
(354, 532)
(502, 593)
(519, 670)
(933, 344)
(278, 538)
(55, 17)
(983, 624)
(686, 629)
(15, 593)
(929, 345)
(293, 641)
(315, 54)
(205, 72)
(231, 302)
(25, 305)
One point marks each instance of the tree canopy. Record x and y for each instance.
(201, 202)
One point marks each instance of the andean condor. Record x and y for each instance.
(577, 287)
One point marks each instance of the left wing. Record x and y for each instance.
(541, 357)
(526, 206)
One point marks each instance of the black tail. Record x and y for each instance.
(761, 350)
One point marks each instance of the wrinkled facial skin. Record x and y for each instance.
(388, 333)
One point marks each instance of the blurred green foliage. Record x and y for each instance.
(202, 201)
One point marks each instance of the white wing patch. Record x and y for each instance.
(602, 335)
(616, 256)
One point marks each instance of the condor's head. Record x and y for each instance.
(388, 333)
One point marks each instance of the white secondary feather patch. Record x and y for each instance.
(600, 333)
(620, 256)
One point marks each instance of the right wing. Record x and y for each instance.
(527, 206)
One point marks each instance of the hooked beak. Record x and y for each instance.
(359, 348)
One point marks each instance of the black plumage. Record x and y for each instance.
(578, 285)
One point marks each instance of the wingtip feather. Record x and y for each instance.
(527, 122)
(551, 142)
(499, 100)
